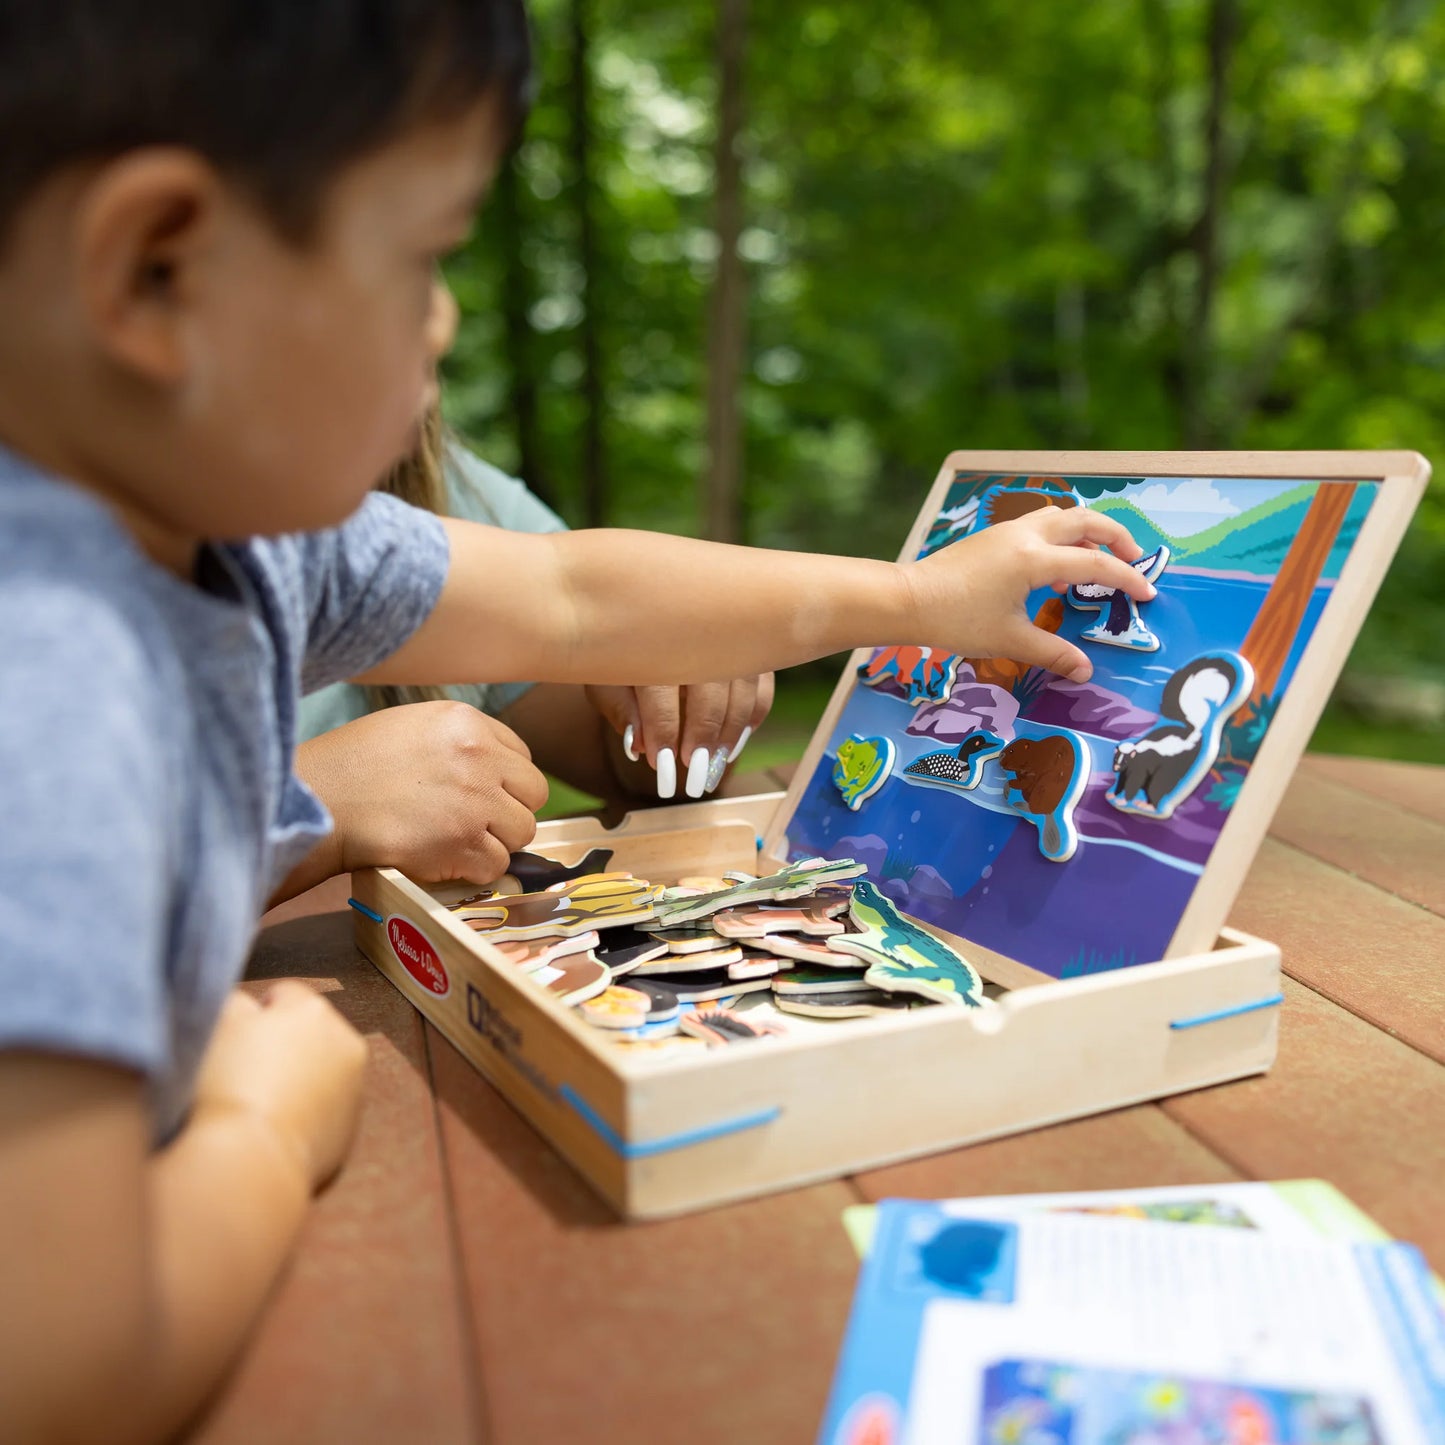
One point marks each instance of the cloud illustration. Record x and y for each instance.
(1191, 494)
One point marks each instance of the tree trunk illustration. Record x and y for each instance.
(1270, 638)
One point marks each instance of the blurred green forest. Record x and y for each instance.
(753, 273)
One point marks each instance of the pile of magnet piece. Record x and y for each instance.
(646, 963)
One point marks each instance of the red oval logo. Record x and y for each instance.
(417, 956)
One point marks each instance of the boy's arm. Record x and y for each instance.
(638, 607)
(132, 1279)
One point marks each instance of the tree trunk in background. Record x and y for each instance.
(1223, 33)
(594, 461)
(516, 303)
(727, 321)
(1272, 636)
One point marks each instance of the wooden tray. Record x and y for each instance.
(663, 1136)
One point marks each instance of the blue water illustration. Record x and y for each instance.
(965, 860)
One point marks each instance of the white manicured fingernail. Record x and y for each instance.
(741, 743)
(666, 773)
(697, 767)
(628, 734)
(719, 766)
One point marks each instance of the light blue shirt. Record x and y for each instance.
(476, 492)
(147, 803)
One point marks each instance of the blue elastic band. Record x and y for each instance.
(668, 1142)
(371, 913)
(1273, 1001)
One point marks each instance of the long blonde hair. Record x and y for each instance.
(419, 479)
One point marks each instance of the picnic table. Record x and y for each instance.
(460, 1283)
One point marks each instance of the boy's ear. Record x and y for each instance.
(145, 226)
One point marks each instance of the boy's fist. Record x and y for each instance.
(293, 1062)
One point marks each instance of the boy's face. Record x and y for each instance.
(314, 365)
(168, 349)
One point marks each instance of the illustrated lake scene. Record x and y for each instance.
(1066, 825)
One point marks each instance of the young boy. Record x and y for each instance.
(220, 224)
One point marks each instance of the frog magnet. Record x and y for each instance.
(862, 767)
(902, 957)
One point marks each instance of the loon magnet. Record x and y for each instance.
(960, 767)
(1157, 772)
(1119, 624)
(1042, 779)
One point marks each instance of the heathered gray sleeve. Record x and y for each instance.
(370, 584)
(82, 837)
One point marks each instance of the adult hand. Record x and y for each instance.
(969, 598)
(702, 727)
(437, 789)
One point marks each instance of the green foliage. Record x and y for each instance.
(983, 225)
(1225, 791)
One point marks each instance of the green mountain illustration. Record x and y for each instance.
(1256, 541)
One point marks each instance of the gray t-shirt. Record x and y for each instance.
(147, 803)
(477, 492)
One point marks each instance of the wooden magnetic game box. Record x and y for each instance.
(1078, 845)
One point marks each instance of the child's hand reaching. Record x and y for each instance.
(699, 729)
(985, 580)
(294, 1064)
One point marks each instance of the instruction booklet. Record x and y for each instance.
(1219, 1313)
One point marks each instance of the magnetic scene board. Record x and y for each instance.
(1076, 828)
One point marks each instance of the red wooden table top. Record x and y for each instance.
(460, 1283)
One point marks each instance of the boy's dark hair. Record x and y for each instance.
(278, 94)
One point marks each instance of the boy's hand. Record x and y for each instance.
(694, 731)
(293, 1063)
(970, 597)
(437, 789)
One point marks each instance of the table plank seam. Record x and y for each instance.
(1365, 1017)
(476, 1393)
(1388, 802)
(1358, 878)
(1208, 1145)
